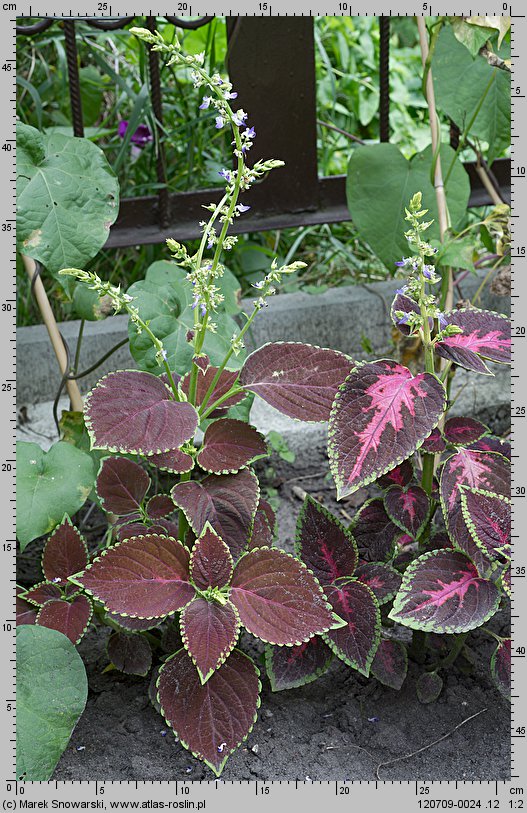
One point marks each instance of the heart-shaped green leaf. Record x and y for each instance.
(381, 182)
(49, 485)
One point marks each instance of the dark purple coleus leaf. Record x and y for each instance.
(135, 413)
(125, 622)
(160, 506)
(121, 485)
(278, 599)
(165, 527)
(261, 535)
(390, 663)
(65, 553)
(40, 593)
(70, 618)
(357, 641)
(443, 592)
(428, 687)
(505, 580)
(25, 613)
(323, 543)
(406, 305)
(227, 501)
(211, 562)
(226, 382)
(434, 444)
(488, 519)
(175, 461)
(500, 667)
(468, 467)
(374, 531)
(408, 508)
(440, 541)
(381, 415)
(401, 475)
(129, 529)
(383, 580)
(486, 335)
(130, 654)
(464, 431)
(228, 445)
(210, 719)
(144, 577)
(291, 666)
(491, 443)
(209, 631)
(299, 380)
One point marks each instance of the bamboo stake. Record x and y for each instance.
(442, 207)
(53, 332)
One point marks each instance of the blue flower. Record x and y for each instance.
(241, 208)
(195, 303)
(428, 271)
(403, 320)
(220, 121)
(443, 322)
(232, 95)
(202, 309)
(226, 173)
(205, 103)
(402, 290)
(250, 132)
(239, 118)
(401, 263)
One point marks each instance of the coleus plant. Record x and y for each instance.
(185, 571)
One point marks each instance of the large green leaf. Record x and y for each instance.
(164, 298)
(381, 182)
(51, 692)
(460, 81)
(49, 485)
(67, 198)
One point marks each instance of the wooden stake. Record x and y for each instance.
(53, 332)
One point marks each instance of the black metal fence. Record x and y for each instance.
(271, 62)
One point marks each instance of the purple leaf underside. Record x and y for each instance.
(299, 380)
(210, 719)
(175, 461)
(381, 415)
(434, 444)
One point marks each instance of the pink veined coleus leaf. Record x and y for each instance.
(401, 475)
(443, 592)
(226, 381)
(65, 553)
(278, 599)
(175, 461)
(291, 666)
(428, 687)
(130, 654)
(390, 664)
(486, 335)
(434, 443)
(134, 412)
(210, 719)
(25, 613)
(491, 443)
(500, 667)
(144, 577)
(374, 532)
(299, 380)
(40, 593)
(381, 415)
(229, 445)
(468, 467)
(357, 641)
(323, 543)
(488, 519)
(226, 501)
(70, 618)
(407, 305)
(211, 562)
(408, 508)
(383, 580)
(121, 485)
(209, 631)
(159, 507)
(464, 431)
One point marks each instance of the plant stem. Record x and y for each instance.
(78, 347)
(428, 459)
(233, 391)
(183, 525)
(458, 644)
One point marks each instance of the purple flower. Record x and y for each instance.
(241, 208)
(205, 103)
(403, 320)
(401, 263)
(239, 118)
(220, 121)
(250, 132)
(443, 322)
(210, 242)
(141, 137)
(195, 303)
(232, 95)
(226, 173)
(202, 309)
(402, 290)
(428, 271)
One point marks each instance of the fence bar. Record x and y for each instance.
(384, 79)
(157, 107)
(73, 77)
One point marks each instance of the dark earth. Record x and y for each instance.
(341, 727)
